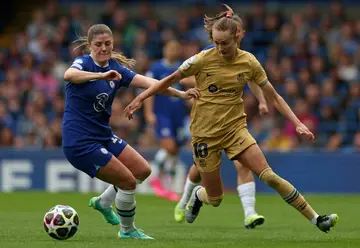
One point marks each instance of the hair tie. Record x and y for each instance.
(229, 15)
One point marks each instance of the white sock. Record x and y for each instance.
(247, 197)
(169, 168)
(188, 188)
(107, 197)
(125, 206)
(314, 219)
(159, 160)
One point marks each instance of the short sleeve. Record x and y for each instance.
(80, 63)
(127, 76)
(192, 65)
(258, 73)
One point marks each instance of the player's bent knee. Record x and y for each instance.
(143, 172)
(215, 201)
(128, 184)
(269, 177)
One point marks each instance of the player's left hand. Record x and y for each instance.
(191, 93)
(304, 131)
(263, 109)
(132, 108)
(111, 75)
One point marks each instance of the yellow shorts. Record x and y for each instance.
(207, 151)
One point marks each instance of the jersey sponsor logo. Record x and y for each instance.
(212, 88)
(100, 103)
(112, 84)
(104, 151)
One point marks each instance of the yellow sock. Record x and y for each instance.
(288, 192)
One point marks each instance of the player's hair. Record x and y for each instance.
(98, 29)
(225, 20)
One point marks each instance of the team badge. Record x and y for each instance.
(103, 150)
(241, 78)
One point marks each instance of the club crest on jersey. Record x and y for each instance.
(241, 77)
(100, 103)
(112, 84)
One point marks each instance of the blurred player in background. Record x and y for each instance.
(218, 121)
(168, 115)
(88, 141)
(246, 183)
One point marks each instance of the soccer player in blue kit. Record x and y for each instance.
(168, 116)
(88, 141)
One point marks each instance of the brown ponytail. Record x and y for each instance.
(223, 21)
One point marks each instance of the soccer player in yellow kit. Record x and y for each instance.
(218, 121)
(245, 179)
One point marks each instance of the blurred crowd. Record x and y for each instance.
(311, 57)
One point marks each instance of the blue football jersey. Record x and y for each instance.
(88, 105)
(166, 105)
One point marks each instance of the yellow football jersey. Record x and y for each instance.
(220, 107)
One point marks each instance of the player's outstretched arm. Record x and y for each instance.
(280, 104)
(258, 93)
(76, 76)
(156, 88)
(143, 82)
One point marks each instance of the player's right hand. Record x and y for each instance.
(263, 109)
(132, 107)
(191, 93)
(111, 75)
(304, 131)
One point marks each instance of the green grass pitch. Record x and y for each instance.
(21, 216)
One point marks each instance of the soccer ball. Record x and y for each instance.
(61, 222)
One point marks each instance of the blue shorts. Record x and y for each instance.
(167, 127)
(96, 155)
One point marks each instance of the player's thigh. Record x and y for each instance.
(129, 157)
(253, 158)
(237, 141)
(116, 173)
(242, 146)
(96, 161)
(136, 163)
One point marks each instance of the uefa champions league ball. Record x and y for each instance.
(61, 222)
